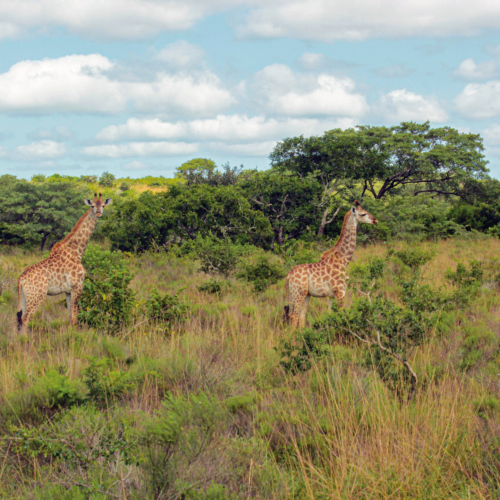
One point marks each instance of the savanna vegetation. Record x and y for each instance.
(181, 380)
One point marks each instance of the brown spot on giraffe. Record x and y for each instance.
(62, 271)
(326, 278)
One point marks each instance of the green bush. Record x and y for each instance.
(107, 302)
(216, 256)
(298, 353)
(107, 179)
(214, 286)
(467, 281)
(261, 272)
(105, 385)
(165, 308)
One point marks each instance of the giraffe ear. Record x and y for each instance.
(87, 202)
(107, 202)
(353, 210)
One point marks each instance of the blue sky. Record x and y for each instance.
(137, 87)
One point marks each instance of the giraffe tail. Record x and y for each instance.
(286, 316)
(20, 306)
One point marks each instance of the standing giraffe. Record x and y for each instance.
(61, 271)
(326, 278)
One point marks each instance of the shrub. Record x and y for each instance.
(124, 186)
(216, 256)
(165, 308)
(261, 272)
(105, 385)
(214, 286)
(298, 353)
(467, 281)
(107, 302)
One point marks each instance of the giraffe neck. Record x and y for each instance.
(79, 237)
(344, 248)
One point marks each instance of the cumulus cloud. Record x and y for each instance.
(39, 150)
(81, 84)
(135, 165)
(230, 128)
(329, 20)
(162, 148)
(491, 134)
(402, 105)
(181, 54)
(280, 90)
(251, 149)
(479, 100)
(109, 20)
(469, 70)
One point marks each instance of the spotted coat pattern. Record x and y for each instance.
(326, 278)
(61, 272)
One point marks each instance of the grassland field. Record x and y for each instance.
(203, 410)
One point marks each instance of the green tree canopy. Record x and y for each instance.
(34, 213)
(382, 159)
(289, 202)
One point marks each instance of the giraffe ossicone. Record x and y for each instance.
(61, 271)
(326, 278)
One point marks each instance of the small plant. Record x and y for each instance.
(105, 385)
(467, 281)
(216, 256)
(298, 353)
(107, 302)
(261, 272)
(214, 286)
(414, 258)
(165, 308)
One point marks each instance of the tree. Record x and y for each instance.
(440, 161)
(203, 171)
(290, 203)
(222, 211)
(34, 213)
(135, 223)
(107, 179)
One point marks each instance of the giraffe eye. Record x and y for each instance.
(362, 215)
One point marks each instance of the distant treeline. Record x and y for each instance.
(418, 181)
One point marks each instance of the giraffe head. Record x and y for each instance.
(362, 215)
(98, 204)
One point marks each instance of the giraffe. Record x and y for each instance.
(61, 271)
(326, 278)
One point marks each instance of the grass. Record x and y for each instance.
(335, 431)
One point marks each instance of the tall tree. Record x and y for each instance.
(33, 213)
(382, 159)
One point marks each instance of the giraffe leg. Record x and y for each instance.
(339, 296)
(303, 311)
(68, 304)
(33, 302)
(296, 313)
(75, 295)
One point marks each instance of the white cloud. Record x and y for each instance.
(402, 105)
(252, 149)
(141, 149)
(479, 100)
(491, 134)
(135, 165)
(469, 70)
(282, 91)
(110, 19)
(230, 128)
(362, 19)
(39, 150)
(81, 84)
(181, 54)
(312, 60)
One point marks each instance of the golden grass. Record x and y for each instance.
(335, 431)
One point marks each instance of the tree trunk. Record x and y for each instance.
(42, 243)
(325, 222)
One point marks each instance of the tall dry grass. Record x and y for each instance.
(335, 431)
